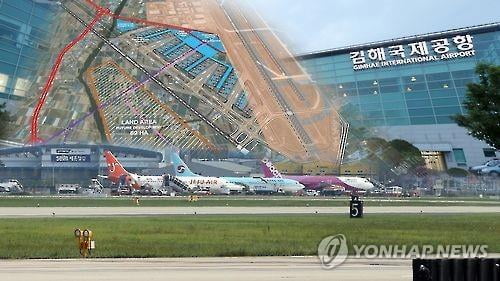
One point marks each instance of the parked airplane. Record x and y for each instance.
(255, 184)
(116, 174)
(349, 184)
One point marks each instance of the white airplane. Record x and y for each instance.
(182, 171)
(363, 184)
(117, 174)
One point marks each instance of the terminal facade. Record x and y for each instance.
(408, 88)
(46, 166)
(43, 167)
(25, 28)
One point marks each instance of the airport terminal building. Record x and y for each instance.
(46, 166)
(408, 88)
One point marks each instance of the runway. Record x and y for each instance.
(216, 269)
(6, 212)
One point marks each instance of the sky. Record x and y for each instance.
(312, 25)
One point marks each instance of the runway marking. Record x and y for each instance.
(6, 212)
(241, 268)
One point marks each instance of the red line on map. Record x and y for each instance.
(101, 11)
(55, 69)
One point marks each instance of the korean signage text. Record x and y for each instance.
(70, 155)
(460, 46)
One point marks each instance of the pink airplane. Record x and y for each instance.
(349, 184)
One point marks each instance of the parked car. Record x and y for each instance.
(491, 170)
(313, 193)
(161, 192)
(394, 191)
(479, 168)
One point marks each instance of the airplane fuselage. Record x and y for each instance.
(321, 182)
(153, 182)
(276, 184)
(213, 184)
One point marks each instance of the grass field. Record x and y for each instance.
(242, 235)
(8, 201)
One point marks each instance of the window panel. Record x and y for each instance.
(374, 114)
(398, 121)
(346, 71)
(394, 104)
(412, 87)
(392, 97)
(459, 156)
(436, 67)
(489, 152)
(446, 84)
(422, 120)
(346, 85)
(444, 93)
(485, 37)
(461, 91)
(8, 57)
(347, 93)
(390, 89)
(395, 113)
(448, 110)
(11, 11)
(413, 79)
(325, 67)
(389, 81)
(343, 65)
(370, 99)
(3, 82)
(411, 70)
(417, 95)
(370, 107)
(375, 122)
(421, 112)
(368, 91)
(438, 76)
(323, 60)
(367, 83)
(462, 99)
(444, 120)
(463, 74)
(418, 103)
(463, 82)
(459, 65)
(444, 102)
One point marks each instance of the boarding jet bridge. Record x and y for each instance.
(229, 82)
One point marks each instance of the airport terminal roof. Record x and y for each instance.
(342, 50)
(114, 148)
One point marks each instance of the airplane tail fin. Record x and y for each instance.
(269, 170)
(181, 169)
(115, 168)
